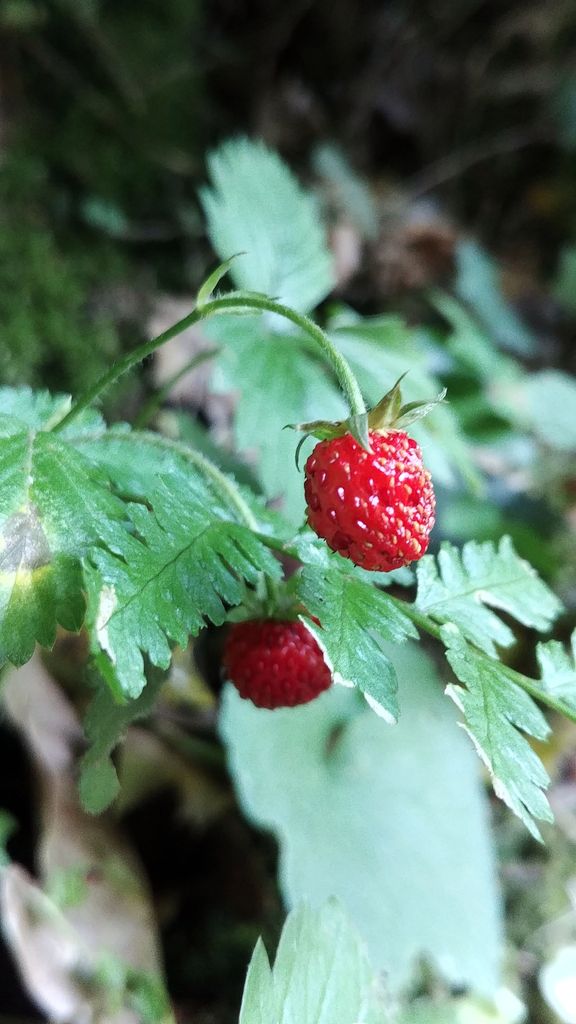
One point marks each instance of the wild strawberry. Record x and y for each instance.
(376, 508)
(275, 663)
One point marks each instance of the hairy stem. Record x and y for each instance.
(226, 303)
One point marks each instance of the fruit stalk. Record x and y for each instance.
(226, 303)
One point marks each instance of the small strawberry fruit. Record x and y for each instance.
(375, 507)
(275, 663)
(368, 494)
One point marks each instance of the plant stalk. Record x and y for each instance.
(225, 303)
(530, 686)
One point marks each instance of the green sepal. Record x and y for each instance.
(213, 280)
(389, 414)
(326, 430)
(413, 411)
(384, 415)
(358, 427)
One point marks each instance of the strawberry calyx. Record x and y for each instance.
(389, 414)
(271, 601)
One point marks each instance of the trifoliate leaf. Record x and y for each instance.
(277, 383)
(393, 821)
(104, 724)
(183, 566)
(497, 713)
(53, 507)
(321, 975)
(255, 207)
(355, 618)
(458, 585)
(558, 670)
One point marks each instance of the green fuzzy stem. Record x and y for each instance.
(226, 303)
(530, 686)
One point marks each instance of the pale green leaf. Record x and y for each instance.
(558, 984)
(356, 617)
(22, 408)
(558, 670)
(548, 405)
(350, 193)
(498, 716)
(255, 207)
(392, 821)
(477, 283)
(462, 586)
(53, 506)
(321, 974)
(184, 565)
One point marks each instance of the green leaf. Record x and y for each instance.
(134, 461)
(391, 821)
(458, 585)
(256, 207)
(23, 409)
(356, 618)
(104, 725)
(183, 566)
(546, 403)
(277, 383)
(321, 974)
(478, 285)
(558, 670)
(53, 507)
(497, 712)
(469, 343)
(350, 193)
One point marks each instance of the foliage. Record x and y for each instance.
(145, 542)
(386, 818)
(321, 974)
(256, 208)
(457, 586)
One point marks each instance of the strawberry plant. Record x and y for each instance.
(322, 577)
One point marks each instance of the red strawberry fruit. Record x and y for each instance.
(375, 507)
(275, 663)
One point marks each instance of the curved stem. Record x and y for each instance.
(226, 303)
(527, 684)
